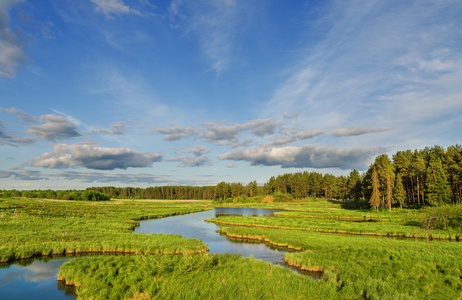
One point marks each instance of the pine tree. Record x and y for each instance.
(437, 184)
(398, 192)
(375, 197)
(389, 198)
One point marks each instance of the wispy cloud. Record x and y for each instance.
(117, 128)
(22, 115)
(11, 53)
(23, 175)
(113, 7)
(175, 133)
(379, 64)
(298, 136)
(197, 160)
(354, 131)
(91, 156)
(216, 25)
(8, 139)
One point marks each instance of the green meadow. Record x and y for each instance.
(362, 254)
(35, 227)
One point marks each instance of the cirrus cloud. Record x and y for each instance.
(91, 156)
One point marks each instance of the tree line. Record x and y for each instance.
(159, 192)
(82, 195)
(432, 176)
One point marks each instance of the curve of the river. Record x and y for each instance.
(36, 278)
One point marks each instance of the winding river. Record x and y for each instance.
(37, 278)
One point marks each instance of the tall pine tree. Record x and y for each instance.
(375, 200)
(437, 185)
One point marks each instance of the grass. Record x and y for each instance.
(204, 276)
(31, 227)
(329, 216)
(370, 267)
(354, 267)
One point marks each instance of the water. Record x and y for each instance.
(193, 226)
(37, 278)
(33, 279)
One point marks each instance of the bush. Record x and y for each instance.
(279, 197)
(442, 217)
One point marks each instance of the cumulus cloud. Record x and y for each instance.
(91, 156)
(353, 131)
(113, 7)
(116, 128)
(11, 53)
(221, 134)
(55, 128)
(307, 156)
(175, 133)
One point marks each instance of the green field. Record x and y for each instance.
(353, 266)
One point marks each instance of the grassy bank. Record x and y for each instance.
(369, 267)
(189, 277)
(34, 227)
(330, 217)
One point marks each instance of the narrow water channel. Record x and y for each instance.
(37, 278)
(193, 226)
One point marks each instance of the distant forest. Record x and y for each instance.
(432, 176)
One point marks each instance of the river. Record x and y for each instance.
(37, 278)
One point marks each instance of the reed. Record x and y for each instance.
(33, 227)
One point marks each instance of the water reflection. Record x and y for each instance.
(193, 226)
(32, 279)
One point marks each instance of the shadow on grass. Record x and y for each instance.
(358, 205)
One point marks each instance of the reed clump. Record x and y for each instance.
(188, 277)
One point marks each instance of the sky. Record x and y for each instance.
(151, 93)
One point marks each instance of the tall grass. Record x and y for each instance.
(33, 228)
(369, 267)
(189, 277)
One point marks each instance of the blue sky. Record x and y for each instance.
(148, 93)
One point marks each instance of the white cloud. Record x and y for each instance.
(6, 138)
(55, 128)
(197, 150)
(221, 134)
(354, 131)
(216, 24)
(113, 7)
(192, 161)
(298, 136)
(175, 133)
(378, 64)
(91, 156)
(306, 156)
(11, 53)
(116, 128)
(22, 115)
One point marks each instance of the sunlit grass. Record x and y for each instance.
(34, 227)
